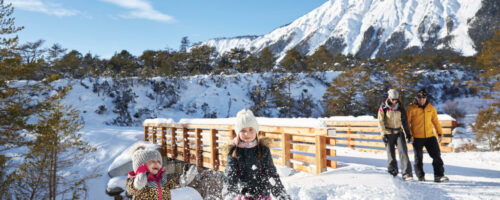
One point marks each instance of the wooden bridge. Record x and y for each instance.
(309, 150)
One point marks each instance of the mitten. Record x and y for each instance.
(141, 178)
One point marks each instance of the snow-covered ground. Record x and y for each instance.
(474, 175)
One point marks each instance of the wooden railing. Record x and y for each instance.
(365, 135)
(309, 150)
(304, 149)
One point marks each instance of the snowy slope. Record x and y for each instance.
(370, 28)
(223, 95)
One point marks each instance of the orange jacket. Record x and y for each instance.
(422, 119)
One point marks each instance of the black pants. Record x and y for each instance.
(432, 147)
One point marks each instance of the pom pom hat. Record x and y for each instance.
(245, 118)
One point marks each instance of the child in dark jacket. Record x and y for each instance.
(250, 173)
(149, 181)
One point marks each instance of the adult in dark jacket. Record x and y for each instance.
(250, 173)
(391, 120)
(422, 118)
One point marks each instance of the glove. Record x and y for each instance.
(188, 176)
(409, 139)
(385, 138)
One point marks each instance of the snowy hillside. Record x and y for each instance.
(188, 97)
(130, 101)
(370, 28)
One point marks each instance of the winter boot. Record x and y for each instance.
(407, 177)
(421, 178)
(441, 179)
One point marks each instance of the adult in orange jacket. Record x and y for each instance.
(422, 118)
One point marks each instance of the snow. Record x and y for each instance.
(474, 175)
(360, 175)
(158, 121)
(363, 176)
(185, 193)
(348, 20)
(119, 181)
(263, 121)
(350, 118)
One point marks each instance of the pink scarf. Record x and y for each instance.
(151, 177)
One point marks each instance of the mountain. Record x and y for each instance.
(380, 28)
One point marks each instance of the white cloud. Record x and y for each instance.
(43, 7)
(141, 9)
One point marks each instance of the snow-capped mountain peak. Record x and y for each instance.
(370, 28)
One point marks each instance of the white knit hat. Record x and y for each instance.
(140, 155)
(245, 118)
(393, 94)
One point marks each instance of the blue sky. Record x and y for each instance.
(103, 27)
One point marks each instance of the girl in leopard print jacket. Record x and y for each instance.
(149, 181)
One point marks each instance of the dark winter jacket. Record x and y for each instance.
(392, 117)
(248, 176)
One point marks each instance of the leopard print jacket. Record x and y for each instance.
(150, 191)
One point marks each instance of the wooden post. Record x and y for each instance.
(199, 148)
(173, 143)
(349, 139)
(285, 149)
(185, 144)
(146, 128)
(163, 141)
(153, 136)
(214, 154)
(320, 153)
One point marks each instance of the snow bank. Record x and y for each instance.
(185, 193)
(350, 118)
(159, 121)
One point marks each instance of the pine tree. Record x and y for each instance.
(69, 65)
(282, 95)
(259, 95)
(294, 61)
(486, 127)
(14, 108)
(123, 64)
(10, 61)
(266, 60)
(55, 52)
(200, 60)
(58, 147)
(320, 60)
(340, 97)
(402, 78)
(184, 44)
(237, 57)
(32, 51)
(304, 105)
